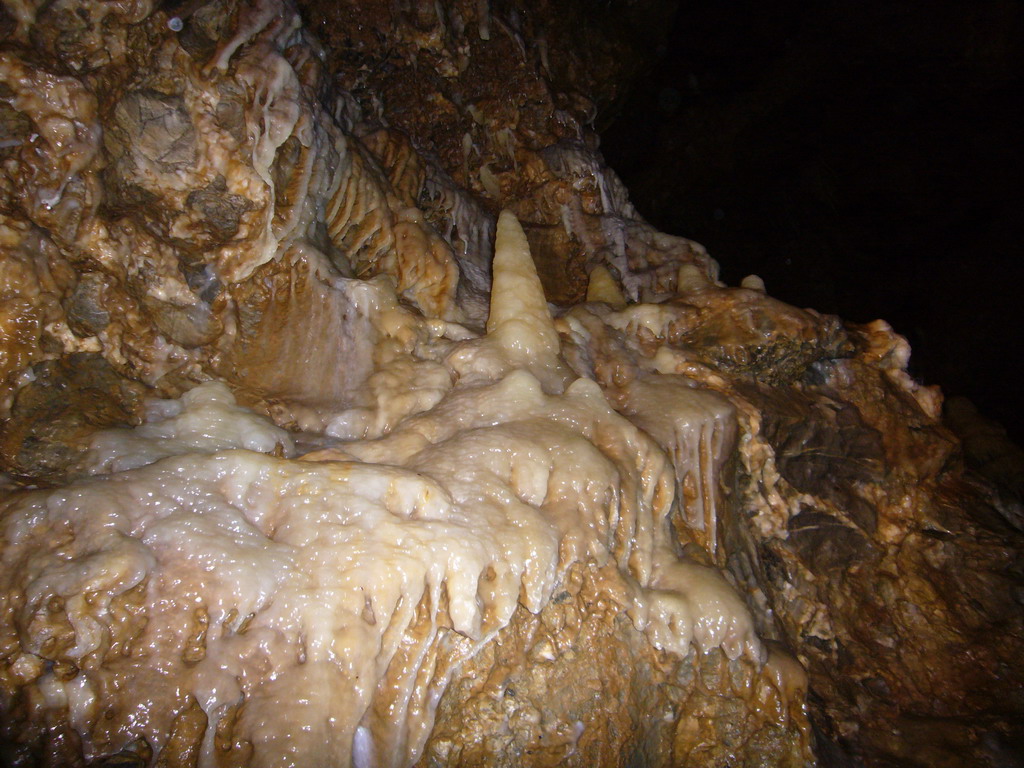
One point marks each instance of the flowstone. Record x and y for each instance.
(353, 416)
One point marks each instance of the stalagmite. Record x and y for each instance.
(519, 315)
(691, 278)
(753, 283)
(520, 330)
(602, 287)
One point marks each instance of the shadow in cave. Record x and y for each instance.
(861, 158)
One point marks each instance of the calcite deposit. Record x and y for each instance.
(352, 416)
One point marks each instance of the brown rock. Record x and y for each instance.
(54, 415)
(577, 685)
(203, 191)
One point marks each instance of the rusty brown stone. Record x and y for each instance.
(201, 191)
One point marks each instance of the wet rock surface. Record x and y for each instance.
(49, 426)
(658, 521)
(589, 687)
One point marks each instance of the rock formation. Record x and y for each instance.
(353, 416)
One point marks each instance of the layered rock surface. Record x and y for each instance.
(303, 469)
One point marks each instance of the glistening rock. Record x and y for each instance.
(299, 474)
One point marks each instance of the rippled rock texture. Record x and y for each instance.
(312, 458)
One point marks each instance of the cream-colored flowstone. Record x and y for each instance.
(287, 596)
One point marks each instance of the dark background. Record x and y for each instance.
(865, 159)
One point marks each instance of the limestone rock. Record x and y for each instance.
(299, 470)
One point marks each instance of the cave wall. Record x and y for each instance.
(303, 203)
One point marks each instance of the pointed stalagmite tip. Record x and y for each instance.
(602, 287)
(519, 310)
